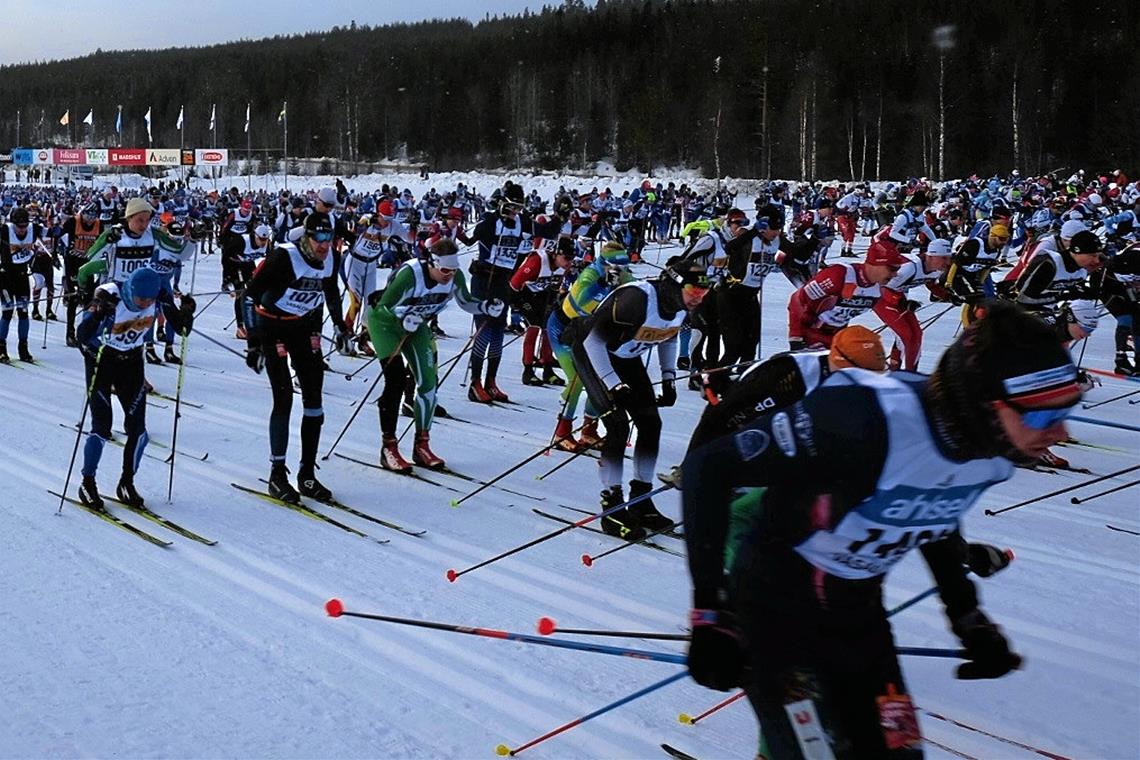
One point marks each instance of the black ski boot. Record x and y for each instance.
(151, 356)
(550, 377)
(280, 487)
(126, 493)
(89, 493)
(36, 314)
(169, 356)
(70, 339)
(1123, 365)
(309, 486)
(22, 350)
(4, 358)
(528, 376)
(51, 315)
(623, 522)
(647, 515)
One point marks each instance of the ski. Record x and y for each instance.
(307, 512)
(476, 481)
(1118, 529)
(183, 402)
(671, 533)
(599, 531)
(114, 520)
(159, 444)
(363, 516)
(160, 520)
(1116, 375)
(1100, 446)
(410, 474)
(674, 752)
(1011, 742)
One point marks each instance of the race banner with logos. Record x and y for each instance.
(126, 157)
(120, 156)
(163, 157)
(96, 156)
(212, 156)
(69, 156)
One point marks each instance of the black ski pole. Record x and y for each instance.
(217, 342)
(1109, 401)
(177, 413)
(547, 626)
(82, 418)
(364, 398)
(1076, 500)
(454, 363)
(1058, 492)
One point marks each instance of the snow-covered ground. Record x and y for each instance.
(116, 648)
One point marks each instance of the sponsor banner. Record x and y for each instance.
(5, 158)
(69, 156)
(42, 155)
(212, 157)
(187, 157)
(162, 157)
(126, 157)
(96, 156)
(22, 156)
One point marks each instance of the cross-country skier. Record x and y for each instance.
(20, 240)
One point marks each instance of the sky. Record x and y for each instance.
(39, 31)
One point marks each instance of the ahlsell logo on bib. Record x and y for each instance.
(782, 432)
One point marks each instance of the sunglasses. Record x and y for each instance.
(321, 236)
(445, 270)
(1041, 419)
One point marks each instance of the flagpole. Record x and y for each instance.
(285, 150)
(248, 154)
(214, 129)
(182, 141)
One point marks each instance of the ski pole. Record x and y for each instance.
(689, 720)
(335, 608)
(82, 417)
(1105, 423)
(1076, 500)
(589, 561)
(452, 574)
(504, 751)
(1109, 401)
(547, 626)
(515, 467)
(454, 363)
(364, 398)
(177, 412)
(217, 342)
(1058, 492)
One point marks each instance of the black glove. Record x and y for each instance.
(668, 395)
(796, 344)
(987, 650)
(911, 306)
(114, 235)
(255, 359)
(717, 658)
(104, 305)
(985, 560)
(622, 396)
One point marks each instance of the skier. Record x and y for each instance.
(535, 285)
(631, 320)
(241, 253)
(852, 472)
(79, 233)
(20, 240)
(110, 335)
(398, 325)
(897, 311)
(284, 304)
(172, 247)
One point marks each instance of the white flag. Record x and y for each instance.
(181, 110)
(213, 113)
(89, 119)
(146, 118)
(281, 116)
(247, 118)
(66, 118)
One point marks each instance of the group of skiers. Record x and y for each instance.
(810, 474)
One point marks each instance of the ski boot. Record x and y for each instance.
(422, 453)
(280, 487)
(442, 413)
(528, 376)
(240, 333)
(564, 436)
(151, 356)
(70, 339)
(51, 315)
(126, 493)
(169, 356)
(364, 346)
(621, 523)
(89, 494)
(494, 391)
(647, 515)
(1123, 365)
(475, 392)
(36, 314)
(406, 410)
(1049, 459)
(848, 253)
(308, 484)
(589, 437)
(390, 458)
(22, 350)
(550, 377)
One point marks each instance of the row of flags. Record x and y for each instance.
(89, 119)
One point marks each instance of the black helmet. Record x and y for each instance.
(1086, 241)
(19, 216)
(319, 223)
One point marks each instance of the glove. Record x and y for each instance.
(114, 235)
(985, 560)
(909, 305)
(186, 315)
(104, 305)
(412, 322)
(717, 658)
(987, 650)
(255, 359)
(621, 395)
(493, 308)
(668, 395)
(796, 344)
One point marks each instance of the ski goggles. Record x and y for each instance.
(321, 236)
(1041, 419)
